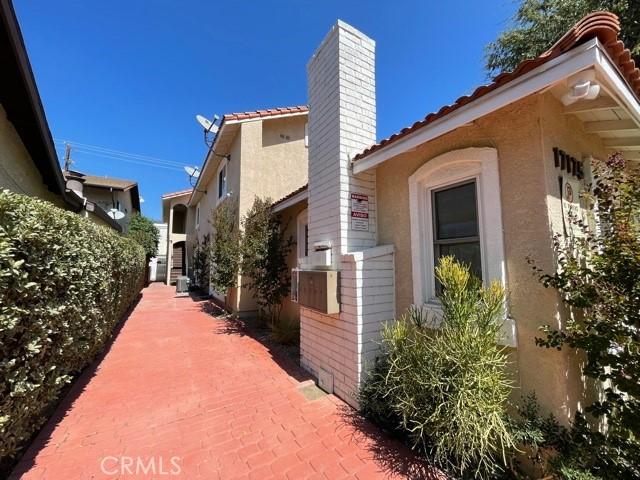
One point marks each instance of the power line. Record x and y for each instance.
(130, 160)
(121, 155)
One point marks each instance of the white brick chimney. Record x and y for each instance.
(342, 123)
(342, 211)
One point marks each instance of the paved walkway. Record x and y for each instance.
(181, 394)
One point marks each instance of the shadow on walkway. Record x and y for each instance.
(393, 460)
(58, 410)
(287, 357)
(391, 456)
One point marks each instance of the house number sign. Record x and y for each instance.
(567, 163)
(360, 212)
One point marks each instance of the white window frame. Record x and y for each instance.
(223, 166)
(301, 221)
(450, 169)
(306, 134)
(198, 216)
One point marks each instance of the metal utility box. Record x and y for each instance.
(318, 290)
(182, 284)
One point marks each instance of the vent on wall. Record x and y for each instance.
(325, 381)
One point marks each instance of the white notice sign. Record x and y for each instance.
(359, 203)
(359, 212)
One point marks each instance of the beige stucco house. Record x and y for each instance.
(28, 161)
(489, 179)
(118, 197)
(254, 154)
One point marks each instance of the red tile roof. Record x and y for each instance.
(290, 195)
(271, 112)
(177, 194)
(604, 26)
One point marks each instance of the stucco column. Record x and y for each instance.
(169, 244)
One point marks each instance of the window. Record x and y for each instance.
(222, 180)
(303, 234)
(455, 225)
(306, 134)
(455, 210)
(198, 215)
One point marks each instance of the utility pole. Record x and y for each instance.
(67, 157)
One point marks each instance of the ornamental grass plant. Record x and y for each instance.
(442, 383)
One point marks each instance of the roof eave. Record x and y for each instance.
(36, 135)
(301, 196)
(565, 65)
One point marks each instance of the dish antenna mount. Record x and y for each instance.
(194, 173)
(210, 128)
(115, 214)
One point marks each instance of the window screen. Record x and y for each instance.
(455, 220)
(222, 182)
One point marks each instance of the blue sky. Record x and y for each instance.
(131, 75)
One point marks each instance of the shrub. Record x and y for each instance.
(225, 248)
(64, 284)
(286, 331)
(202, 263)
(264, 258)
(572, 453)
(447, 386)
(597, 279)
(143, 231)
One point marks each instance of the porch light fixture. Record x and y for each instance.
(582, 87)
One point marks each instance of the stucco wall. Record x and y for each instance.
(171, 238)
(272, 166)
(17, 170)
(524, 134)
(268, 159)
(105, 198)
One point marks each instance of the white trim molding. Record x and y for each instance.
(221, 196)
(302, 221)
(454, 167)
(547, 74)
(298, 197)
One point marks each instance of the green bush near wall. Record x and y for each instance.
(65, 282)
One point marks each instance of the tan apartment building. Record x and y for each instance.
(489, 179)
(261, 154)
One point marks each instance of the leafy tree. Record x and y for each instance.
(538, 24)
(143, 231)
(264, 258)
(598, 278)
(225, 247)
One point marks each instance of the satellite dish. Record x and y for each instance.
(208, 125)
(193, 172)
(115, 214)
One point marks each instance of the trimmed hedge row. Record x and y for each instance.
(65, 282)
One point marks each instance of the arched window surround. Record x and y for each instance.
(450, 168)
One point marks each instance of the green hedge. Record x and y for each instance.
(65, 282)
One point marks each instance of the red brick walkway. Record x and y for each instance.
(180, 394)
